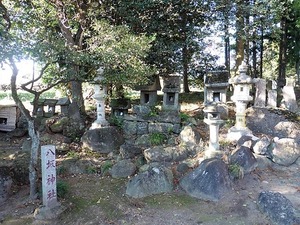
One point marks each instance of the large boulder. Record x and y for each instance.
(261, 146)
(123, 168)
(128, 150)
(276, 123)
(284, 151)
(155, 180)
(278, 208)
(209, 181)
(244, 157)
(190, 138)
(167, 154)
(103, 140)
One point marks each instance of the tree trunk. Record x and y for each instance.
(76, 87)
(298, 70)
(240, 40)
(261, 49)
(282, 53)
(33, 133)
(185, 69)
(227, 44)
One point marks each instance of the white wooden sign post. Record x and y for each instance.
(49, 176)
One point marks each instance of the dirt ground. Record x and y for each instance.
(94, 199)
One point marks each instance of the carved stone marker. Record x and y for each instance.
(49, 176)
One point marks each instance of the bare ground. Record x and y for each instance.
(94, 199)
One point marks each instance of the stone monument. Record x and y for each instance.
(241, 97)
(289, 98)
(260, 93)
(51, 207)
(99, 96)
(272, 94)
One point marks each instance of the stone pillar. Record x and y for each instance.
(241, 96)
(214, 122)
(289, 98)
(260, 94)
(272, 94)
(49, 176)
(99, 96)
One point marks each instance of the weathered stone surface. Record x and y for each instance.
(247, 141)
(189, 136)
(142, 128)
(289, 98)
(169, 117)
(271, 122)
(103, 140)
(143, 140)
(130, 150)
(156, 180)
(284, 151)
(129, 127)
(261, 146)
(277, 207)
(160, 127)
(58, 125)
(141, 110)
(244, 157)
(167, 154)
(223, 110)
(123, 168)
(5, 184)
(157, 154)
(209, 181)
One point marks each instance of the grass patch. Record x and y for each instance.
(168, 201)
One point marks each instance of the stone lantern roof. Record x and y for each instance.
(153, 85)
(217, 79)
(242, 78)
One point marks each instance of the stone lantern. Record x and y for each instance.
(99, 96)
(212, 118)
(241, 97)
(171, 91)
(148, 93)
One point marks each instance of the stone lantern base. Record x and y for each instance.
(235, 133)
(213, 153)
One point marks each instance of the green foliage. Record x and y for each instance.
(106, 166)
(154, 111)
(236, 171)
(157, 138)
(184, 117)
(62, 188)
(73, 155)
(91, 169)
(27, 97)
(122, 53)
(116, 121)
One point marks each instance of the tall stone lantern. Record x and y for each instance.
(212, 118)
(241, 97)
(99, 96)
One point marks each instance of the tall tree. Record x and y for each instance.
(175, 23)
